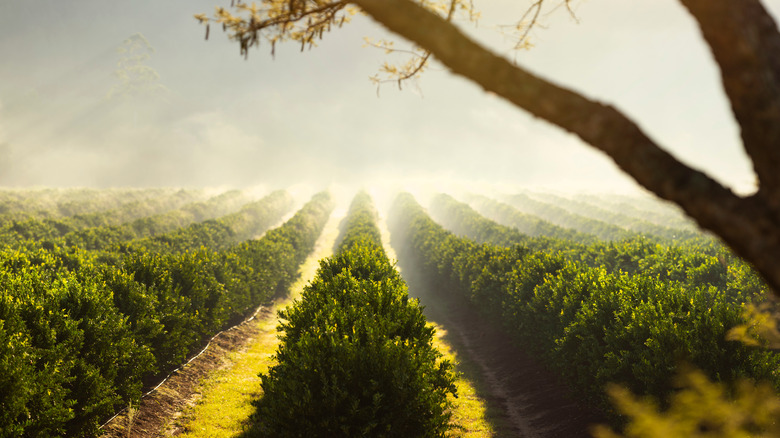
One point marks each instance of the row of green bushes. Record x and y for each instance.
(589, 318)
(526, 224)
(21, 204)
(80, 331)
(446, 211)
(689, 261)
(465, 221)
(630, 223)
(106, 237)
(644, 207)
(360, 225)
(67, 356)
(356, 356)
(250, 221)
(564, 218)
(15, 230)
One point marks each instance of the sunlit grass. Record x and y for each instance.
(469, 413)
(226, 401)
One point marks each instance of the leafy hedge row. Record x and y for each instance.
(628, 222)
(525, 223)
(645, 208)
(253, 219)
(592, 322)
(360, 225)
(465, 221)
(692, 262)
(567, 219)
(446, 211)
(67, 356)
(14, 231)
(21, 204)
(78, 336)
(106, 237)
(356, 357)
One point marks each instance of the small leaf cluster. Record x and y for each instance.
(302, 21)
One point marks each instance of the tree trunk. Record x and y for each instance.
(746, 45)
(751, 226)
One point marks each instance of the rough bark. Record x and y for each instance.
(745, 43)
(749, 225)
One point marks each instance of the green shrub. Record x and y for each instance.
(356, 356)
(79, 359)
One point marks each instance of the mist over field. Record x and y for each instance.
(424, 258)
(198, 114)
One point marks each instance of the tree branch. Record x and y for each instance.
(749, 226)
(745, 42)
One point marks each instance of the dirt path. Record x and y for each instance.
(516, 385)
(160, 408)
(164, 403)
(524, 398)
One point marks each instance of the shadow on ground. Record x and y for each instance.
(523, 398)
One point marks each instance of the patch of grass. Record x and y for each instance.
(469, 411)
(482, 417)
(226, 398)
(226, 401)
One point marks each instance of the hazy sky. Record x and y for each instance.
(315, 117)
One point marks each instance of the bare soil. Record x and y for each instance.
(159, 407)
(525, 398)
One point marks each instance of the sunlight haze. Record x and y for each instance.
(214, 118)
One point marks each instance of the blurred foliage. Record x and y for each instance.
(760, 328)
(700, 409)
(136, 78)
